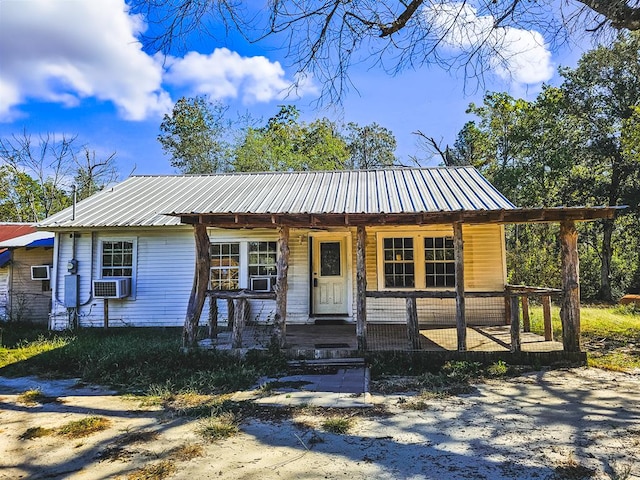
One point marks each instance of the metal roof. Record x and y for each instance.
(150, 200)
(15, 229)
(34, 239)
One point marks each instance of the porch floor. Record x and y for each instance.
(387, 337)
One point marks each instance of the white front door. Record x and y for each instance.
(330, 279)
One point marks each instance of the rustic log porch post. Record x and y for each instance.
(570, 309)
(199, 289)
(361, 290)
(280, 320)
(458, 255)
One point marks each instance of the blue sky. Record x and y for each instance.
(76, 67)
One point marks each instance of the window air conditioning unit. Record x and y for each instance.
(40, 272)
(112, 288)
(260, 284)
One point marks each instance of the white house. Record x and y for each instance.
(134, 243)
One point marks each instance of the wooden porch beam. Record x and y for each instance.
(361, 290)
(199, 288)
(280, 320)
(570, 309)
(461, 321)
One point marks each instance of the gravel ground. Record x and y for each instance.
(561, 424)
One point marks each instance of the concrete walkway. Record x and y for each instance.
(346, 388)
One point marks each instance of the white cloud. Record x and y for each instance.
(225, 74)
(516, 55)
(64, 51)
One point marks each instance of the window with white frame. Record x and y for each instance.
(262, 264)
(243, 264)
(117, 258)
(225, 265)
(399, 267)
(416, 261)
(439, 263)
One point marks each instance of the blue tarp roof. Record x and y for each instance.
(43, 242)
(4, 258)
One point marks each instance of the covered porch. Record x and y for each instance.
(404, 331)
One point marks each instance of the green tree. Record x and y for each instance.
(285, 144)
(37, 175)
(370, 146)
(602, 94)
(195, 136)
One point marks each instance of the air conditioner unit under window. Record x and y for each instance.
(260, 284)
(112, 288)
(40, 272)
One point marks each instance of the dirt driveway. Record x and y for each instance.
(577, 423)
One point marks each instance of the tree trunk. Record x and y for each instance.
(199, 289)
(605, 266)
(461, 320)
(361, 280)
(280, 320)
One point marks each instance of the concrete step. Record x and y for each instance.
(326, 364)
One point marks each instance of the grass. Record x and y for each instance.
(84, 427)
(155, 471)
(339, 425)
(216, 427)
(609, 335)
(34, 397)
(138, 361)
(36, 432)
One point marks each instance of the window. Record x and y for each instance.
(439, 263)
(225, 266)
(399, 268)
(262, 261)
(117, 258)
(416, 260)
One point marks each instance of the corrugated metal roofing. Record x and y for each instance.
(14, 229)
(146, 200)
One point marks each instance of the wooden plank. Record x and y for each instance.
(231, 313)
(244, 293)
(458, 254)
(507, 307)
(213, 317)
(241, 313)
(361, 289)
(428, 294)
(199, 288)
(413, 332)
(280, 319)
(105, 307)
(546, 314)
(526, 321)
(515, 325)
(570, 310)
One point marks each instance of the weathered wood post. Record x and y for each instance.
(361, 290)
(413, 331)
(213, 317)
(280, 320)
(199, 289)
(515, 324)
(570, 310)
(461, 321)
(241, 311)
(231, 313)
(526, 321)
(546, 315)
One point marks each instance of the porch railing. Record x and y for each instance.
(237, 311)
(515, 297)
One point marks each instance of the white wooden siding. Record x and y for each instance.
(4, 289)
